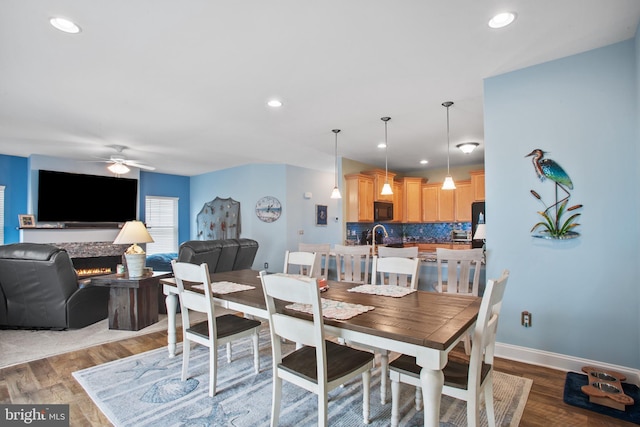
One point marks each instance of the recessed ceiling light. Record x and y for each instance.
(424, 162)
(502, 20)
(274, 103)
(382, 145)
(65, 25)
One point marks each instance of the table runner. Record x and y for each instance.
(333, 309)
(384, 290)
(225, 287)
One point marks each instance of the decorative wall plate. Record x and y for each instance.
(268, 209)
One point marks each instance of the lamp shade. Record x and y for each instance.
(133, 232)
(481, 232)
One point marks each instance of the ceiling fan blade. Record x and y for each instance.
(135, 164)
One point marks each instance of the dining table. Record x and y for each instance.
(423, 324)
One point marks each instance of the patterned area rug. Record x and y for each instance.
(146, 390)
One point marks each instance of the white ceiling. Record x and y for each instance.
(184, 84)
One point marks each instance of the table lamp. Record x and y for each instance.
(134, 232)
(481, 234)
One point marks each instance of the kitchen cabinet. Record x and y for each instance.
(477, 184)
(379, 178)
(463, 200)
(359, 197)
(446, 205)
(430, 202)
(412, 195)
(398, 199)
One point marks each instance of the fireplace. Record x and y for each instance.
(94, 258)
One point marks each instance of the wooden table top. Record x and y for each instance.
(428, 319)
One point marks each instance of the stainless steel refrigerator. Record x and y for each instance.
(478, 216)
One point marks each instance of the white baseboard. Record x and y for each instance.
(560, 361)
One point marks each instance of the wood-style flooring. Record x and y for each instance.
(49, 381)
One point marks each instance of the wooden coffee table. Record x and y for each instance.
(133, 301)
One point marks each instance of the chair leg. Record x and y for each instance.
(323, 403)
(488, 401)
(186, 347)
(213, 370)
(277, 397)
(228, 352)
(256, 353)
(366, 387)
(384, 372)
(473, 410)
(419, 402)
(395, 397)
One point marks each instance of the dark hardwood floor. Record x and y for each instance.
(49, 381)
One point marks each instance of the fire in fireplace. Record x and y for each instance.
(96, 266)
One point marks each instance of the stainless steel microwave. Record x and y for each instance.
(382, 211)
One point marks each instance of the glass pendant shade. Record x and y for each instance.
(448, 183)
(467, 147)
(118, 168)
(386, 188)
(335, 194)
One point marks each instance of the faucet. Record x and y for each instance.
(373, 237)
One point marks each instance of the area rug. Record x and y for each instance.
(20, 346)
(573, 395)
(146, 390)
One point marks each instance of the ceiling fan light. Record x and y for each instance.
(467, 147)
(64, 25)
(118, 168)
(448, 183)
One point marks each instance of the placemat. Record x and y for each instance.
(384, 290)
(225, 287)
(333, 309)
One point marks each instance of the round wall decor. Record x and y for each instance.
(268, 209)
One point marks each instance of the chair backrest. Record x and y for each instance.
(295, 289)
(192, 300)
(408, 252)
(459, 264)
(322, 251)
(352, 263)
(395, 271)
(484, 335)
(300, 262)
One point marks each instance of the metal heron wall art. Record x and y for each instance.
(553, 227)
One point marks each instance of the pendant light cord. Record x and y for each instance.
(448, 148)
(386, 150)
(335, 131)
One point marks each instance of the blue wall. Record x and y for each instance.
(14, 175)
(158, 184)
(583, 293)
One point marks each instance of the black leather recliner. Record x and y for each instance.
(39, 289)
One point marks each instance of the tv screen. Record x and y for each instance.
(73, 197)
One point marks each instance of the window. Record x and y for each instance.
(1, 214)
(161, 216)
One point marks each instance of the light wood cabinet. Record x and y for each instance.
(463, 200)
(359, 197)
(379, 178)
(412, 195)
(398, 201)
(430, 202)
(446, 205)
(477, 183)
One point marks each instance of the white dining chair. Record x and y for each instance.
(466, 380)
(322, 250)
(407, 252)
(300, 262)
(398, 271)
(216, 330)
(463, 275)
(319, 365)
(352, 263)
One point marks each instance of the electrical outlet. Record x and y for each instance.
(300, 232)
(266, 265)
(525, 319)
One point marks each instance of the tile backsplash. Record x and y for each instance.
(425, 232)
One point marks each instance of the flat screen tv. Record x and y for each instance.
(79, 198)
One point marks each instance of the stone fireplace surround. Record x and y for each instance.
(102, 256)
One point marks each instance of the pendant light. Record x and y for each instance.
(448, 183)
(335, 194)
(386, 188)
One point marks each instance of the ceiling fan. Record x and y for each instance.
(120, 165)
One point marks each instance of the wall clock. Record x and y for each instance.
(268, 209)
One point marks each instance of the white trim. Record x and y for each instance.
(2, 187)
(561, 362)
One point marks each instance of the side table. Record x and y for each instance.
(133, 301)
